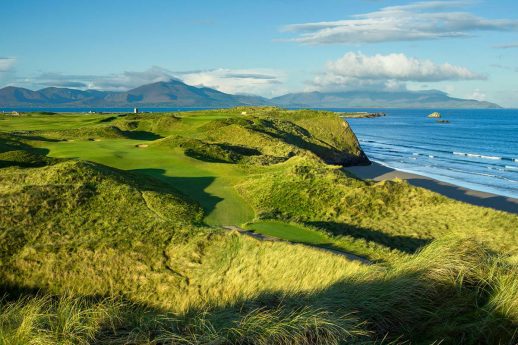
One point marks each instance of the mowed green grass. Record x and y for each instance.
(290, 232)
(300, 234)
(211, 184)
(33, 122)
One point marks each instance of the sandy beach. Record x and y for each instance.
(379, 172)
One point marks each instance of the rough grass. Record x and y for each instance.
(454, 291)
(67, 320)
(50, 203)
(392, 214)
(119, 251)
(207, 152)
(23, 158)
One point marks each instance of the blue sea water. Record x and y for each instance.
(478, 149)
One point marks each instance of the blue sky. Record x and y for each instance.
(466, 48)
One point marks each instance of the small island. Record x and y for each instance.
(435, 115)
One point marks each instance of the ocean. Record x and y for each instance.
(478, 149)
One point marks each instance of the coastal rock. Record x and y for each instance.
(435, 115)
(361, 114)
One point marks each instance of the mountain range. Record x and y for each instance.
(174, 93)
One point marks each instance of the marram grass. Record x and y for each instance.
(110, 234)
(454, 289)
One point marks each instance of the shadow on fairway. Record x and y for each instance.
(191, 187)
(142, 135)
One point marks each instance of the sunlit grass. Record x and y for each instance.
(127, 250)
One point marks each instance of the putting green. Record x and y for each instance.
(290, 232)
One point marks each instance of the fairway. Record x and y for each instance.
(210, 184)
(207, 183)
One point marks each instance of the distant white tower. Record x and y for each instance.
(135, 110)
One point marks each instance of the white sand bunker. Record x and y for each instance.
(142, 145)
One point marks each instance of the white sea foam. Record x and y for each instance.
(491, 157)
(476, 155)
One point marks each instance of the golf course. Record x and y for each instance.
(114, 229)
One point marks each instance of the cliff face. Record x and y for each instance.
(331, 131)
(322, 133)
(269, 134)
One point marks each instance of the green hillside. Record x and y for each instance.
(112, 231)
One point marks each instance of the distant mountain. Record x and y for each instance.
(172, 93)
(378, 99)
(175, 93)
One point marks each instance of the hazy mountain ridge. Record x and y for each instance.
(175, 93)
(366, 99)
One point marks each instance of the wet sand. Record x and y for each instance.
(379, 172)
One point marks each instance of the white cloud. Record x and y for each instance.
(396, 67)
(242, 81)
(6, 64)
(417, 21)
(114, 82)
(388, 72)
(478, 95)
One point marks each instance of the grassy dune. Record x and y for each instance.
(110, 233)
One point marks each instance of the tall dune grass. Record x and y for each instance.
(455, 291)
(95, 255)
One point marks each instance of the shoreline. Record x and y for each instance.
(379, 172)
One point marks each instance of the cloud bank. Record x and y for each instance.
(417, 21)
(256, 81)
(112, 82)
(388, 72)
(241, 81)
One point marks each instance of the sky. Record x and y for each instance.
(468, 49)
